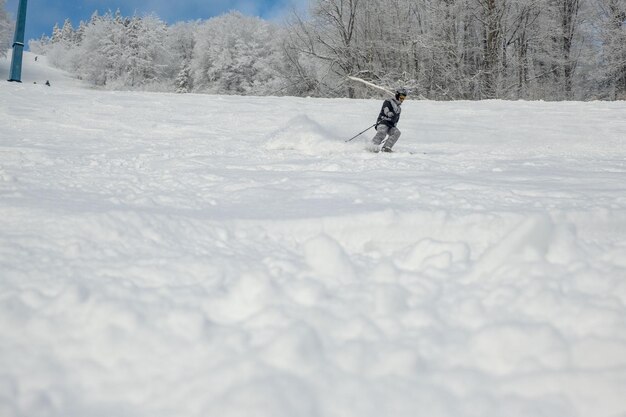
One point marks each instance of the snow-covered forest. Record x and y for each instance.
(442, 49)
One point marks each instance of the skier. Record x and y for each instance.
(388, 120)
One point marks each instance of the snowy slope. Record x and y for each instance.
(35, 70)
(189, 255)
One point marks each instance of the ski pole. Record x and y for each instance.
(354, 137)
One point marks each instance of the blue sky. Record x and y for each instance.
(43, 14)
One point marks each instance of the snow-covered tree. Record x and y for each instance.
(56, 34)
(67, 32)
(6, 29)
(612, 29)
(143, 53)
(181, 40)
(561, 23)
(331, 37)
(39, 46)
(236, 54)
(100, 50)
(184, 82)
(80, 32)
(63, 49)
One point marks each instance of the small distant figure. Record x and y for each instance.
(36, 58)
(48, 83)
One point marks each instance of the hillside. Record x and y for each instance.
(35, 70)
(192, 255)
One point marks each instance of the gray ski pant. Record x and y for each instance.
(381, 133)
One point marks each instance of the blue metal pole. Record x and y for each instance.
(18, 43)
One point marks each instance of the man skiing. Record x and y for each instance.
(388, 120)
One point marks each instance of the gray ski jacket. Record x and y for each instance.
(390, 113)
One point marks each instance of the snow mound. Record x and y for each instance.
(305, 135)
(327, 258)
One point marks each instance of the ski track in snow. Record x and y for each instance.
(196, 255)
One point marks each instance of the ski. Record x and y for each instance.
(373, 149)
